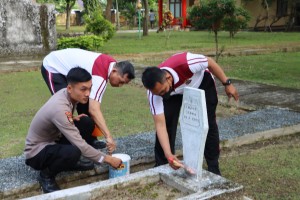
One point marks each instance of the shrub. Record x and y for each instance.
(96, 24)
(129, 13)
(209, 15)
(87, 42)
(200, 16)
(239, 20)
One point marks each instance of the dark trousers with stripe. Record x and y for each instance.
(56, 82)
(172, 109)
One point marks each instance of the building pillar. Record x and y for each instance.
(183, 11)
(160, 12)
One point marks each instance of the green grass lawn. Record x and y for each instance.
(282, 69)
(267, 169)
(22, 94)
(62, 29)
(197, 41)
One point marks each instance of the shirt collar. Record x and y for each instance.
(173, 73)
(111, 66)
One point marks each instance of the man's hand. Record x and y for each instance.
(174, 162)
(111, 145)
(112, 161)
(231, 92)
(77, 118)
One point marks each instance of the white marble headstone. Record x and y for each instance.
(194, 128)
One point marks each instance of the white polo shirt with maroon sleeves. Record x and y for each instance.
(97, 64)
(187, 69)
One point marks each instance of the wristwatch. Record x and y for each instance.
(228, 82)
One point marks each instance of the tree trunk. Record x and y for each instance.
(217, 45)
(69, 6)
(108, 11)
(146, 18)
(267, 12)
(68, 12)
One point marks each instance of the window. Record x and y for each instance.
(175, 7)
(282, 7)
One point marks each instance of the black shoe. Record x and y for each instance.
(47, 181)
(214, 169)
(83, 164)
(97, 144)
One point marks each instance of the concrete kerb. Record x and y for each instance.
(263, 135)
(211, 186)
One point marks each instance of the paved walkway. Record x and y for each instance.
(257, 96)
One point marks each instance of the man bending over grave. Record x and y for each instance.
(165, 85)
(103, 69)
(45, 150)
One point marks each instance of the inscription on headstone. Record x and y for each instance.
(194, 128)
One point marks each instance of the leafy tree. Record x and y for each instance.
(98, 25)
(210, 15)
(91, 5)
(239, 20)
(123, 4)
(129, 13)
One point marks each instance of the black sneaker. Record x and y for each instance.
(47, 182)
(98, 144)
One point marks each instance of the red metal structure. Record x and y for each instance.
(178, 9)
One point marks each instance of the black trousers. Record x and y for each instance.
(56, 157)
(171, 110)
(63, 155)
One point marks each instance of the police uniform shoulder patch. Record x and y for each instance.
(70, 117)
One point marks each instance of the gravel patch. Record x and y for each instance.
(14, 174)
(257, 121)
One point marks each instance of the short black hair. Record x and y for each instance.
(77, 75)
(151, 76)
(125, 67)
